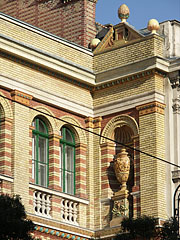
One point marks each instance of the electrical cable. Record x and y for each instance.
(99, 135)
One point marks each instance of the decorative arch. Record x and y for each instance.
(117, 122)
(50, 121)
(5, 108)
(80, 136)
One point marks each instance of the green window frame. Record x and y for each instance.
(40, 153)
(67, 161)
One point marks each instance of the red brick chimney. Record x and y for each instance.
(70, 19)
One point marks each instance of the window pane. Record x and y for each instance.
(42, 150)
(69, 158)
(42, 174)
(41, 127)
(68, 136)
(69, 183)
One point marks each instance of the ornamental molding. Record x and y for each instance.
(21, 97)
(58, 233)
(46, 115)
(175, 82)
(176, 176)
(5, 107)
(176, 105)
(71, 122)
(152, 107)
(135, 77)
(119, 121)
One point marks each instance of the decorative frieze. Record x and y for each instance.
(58, 233)
(153, 107)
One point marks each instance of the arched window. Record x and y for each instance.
(40, 153)
(67, 161)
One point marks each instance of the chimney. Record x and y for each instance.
(73, 20)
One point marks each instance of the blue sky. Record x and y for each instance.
(141, 11)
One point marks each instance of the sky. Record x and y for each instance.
(141, 11)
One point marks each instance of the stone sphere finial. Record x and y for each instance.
(94, 42)
(153, 25)
(123, 12)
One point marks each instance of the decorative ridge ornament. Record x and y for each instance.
(153, 25)
(122, 168)
(123, 12)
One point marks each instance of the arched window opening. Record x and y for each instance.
(40, 158)
(67, 161)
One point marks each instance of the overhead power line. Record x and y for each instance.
(99, 135)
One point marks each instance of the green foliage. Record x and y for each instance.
(13, 223)
(169, 230)
(143, 227)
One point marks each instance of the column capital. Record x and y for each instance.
(21, 97)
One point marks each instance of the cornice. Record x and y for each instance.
(129, 78)
(47, 63)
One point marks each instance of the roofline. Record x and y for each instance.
(174, 20)
(45, 33)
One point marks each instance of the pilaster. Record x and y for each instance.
(54, 161)
(20, 144)
(152, 170)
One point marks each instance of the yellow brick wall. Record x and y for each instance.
(90, 180)
(20, 150)
(128, 89)
(97, 179)
(152, 171)
(123, 90)
(44, 43)
(37, 79)
(136, 51)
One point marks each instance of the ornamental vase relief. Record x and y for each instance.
(122, 168)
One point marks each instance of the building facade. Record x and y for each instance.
(67, 110)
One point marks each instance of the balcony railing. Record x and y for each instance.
(42, 203)
(69, 211)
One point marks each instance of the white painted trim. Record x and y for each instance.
(44, 33)
(6, 178)
(59, 194)
(128, 103)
